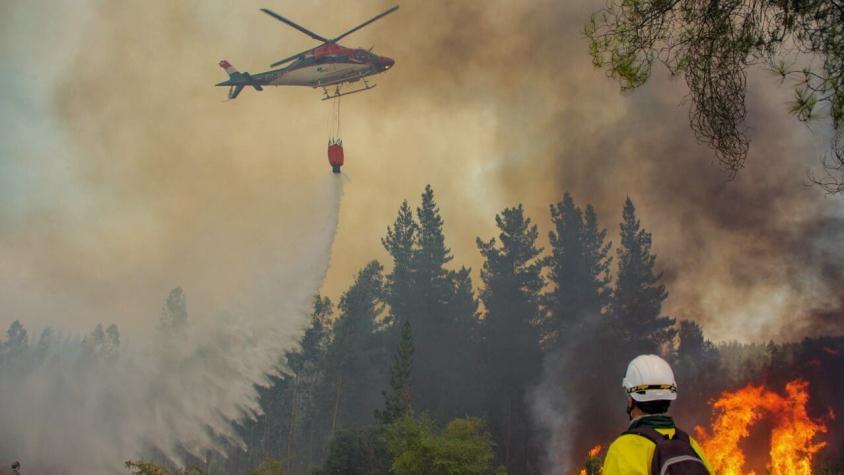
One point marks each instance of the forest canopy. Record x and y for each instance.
(416, 370)
(712, 43)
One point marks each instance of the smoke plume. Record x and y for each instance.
(124, 174)
(84, 408)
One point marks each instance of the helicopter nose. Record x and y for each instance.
(387, 63)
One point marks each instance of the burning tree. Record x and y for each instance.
(793, 443)
(592, 465)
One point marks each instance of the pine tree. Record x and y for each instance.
(112, 338)
(512, 276)
(463, 306)
(101, 343)
(400, 242)
(696, 368)
(398, 401)
(432, 254)
(439, 304)
(294, 422)
(357, 451)
(354, 357)
(17, 337)
(442, 316)
(638, 296)
(306, 387)
(579, 271)
(596, 249)
(17, 342)
(695, 354)
(174, 313)
(577, 334)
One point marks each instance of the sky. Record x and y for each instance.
(123, 173)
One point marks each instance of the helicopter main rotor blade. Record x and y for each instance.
(378, 17)
(291, 58)
(294, 25)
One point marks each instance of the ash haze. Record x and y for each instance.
(123, 174)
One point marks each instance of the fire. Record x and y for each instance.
(792, 440)
(593, 463)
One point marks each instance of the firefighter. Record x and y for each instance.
(652, 444)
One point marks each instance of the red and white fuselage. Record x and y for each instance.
(328, 64)
(324, 66)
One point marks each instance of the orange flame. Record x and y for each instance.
(792, 439)
(593, 464)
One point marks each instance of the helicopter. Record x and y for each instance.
(326, 65)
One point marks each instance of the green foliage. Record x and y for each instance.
(17, 337)
(397, 402)
(141, 467)
(360, 451)
(320, 408)
(294, 425)
(174, 313)
(697, 363)
(592, 466)
(580, 343)
(463, 448)
(269, 466)
(713, 43)
(215, 468)
(352, 358)
(695, 354)
(439, 304)
(512, 276)
(103, 343)
(579, 270)
(512, 271)
(432, 251)
(400, 242)
(637, 300)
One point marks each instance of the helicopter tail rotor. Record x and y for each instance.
(237, 80)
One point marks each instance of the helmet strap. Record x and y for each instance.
(630, 406)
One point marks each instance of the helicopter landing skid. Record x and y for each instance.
(337, 93)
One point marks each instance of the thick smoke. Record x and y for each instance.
(84, 408)
(491, 104)
(125, 175)
(746, 258)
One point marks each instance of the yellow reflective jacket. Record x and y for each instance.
(632, 454)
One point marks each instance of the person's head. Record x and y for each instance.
(649, 385)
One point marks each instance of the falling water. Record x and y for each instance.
(68, 407)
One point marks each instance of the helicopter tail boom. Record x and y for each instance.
(237, 80)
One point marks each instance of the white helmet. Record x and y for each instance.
(649, 378)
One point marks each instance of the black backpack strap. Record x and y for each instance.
(680, 435)
(647, 432)
(668, 450)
